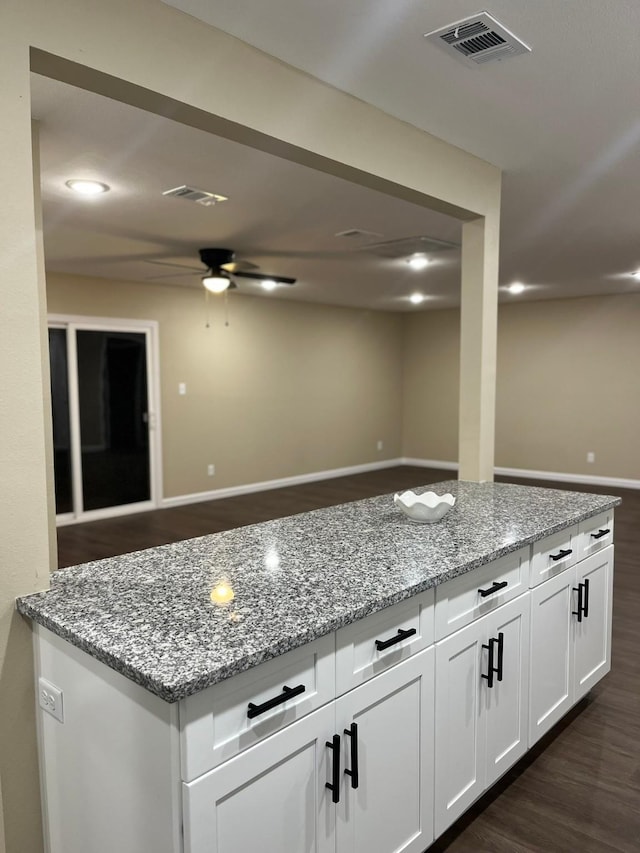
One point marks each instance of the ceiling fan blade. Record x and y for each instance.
(238, 266)
(280, 279)
(174, 275)
(185, 267)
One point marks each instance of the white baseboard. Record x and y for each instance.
(283, 482)
(528, 474)
(560, 477)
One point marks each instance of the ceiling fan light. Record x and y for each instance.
(269, 284)
(216, 282)
(516, 288)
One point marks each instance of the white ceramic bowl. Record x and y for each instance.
(425, 509)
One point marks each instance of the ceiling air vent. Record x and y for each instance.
(478, 39)
(206, 199)
(406, 246)
(358, 234)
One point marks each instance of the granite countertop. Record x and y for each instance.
(178, 618)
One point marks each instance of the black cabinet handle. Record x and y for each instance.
(561, 554)
(495, 586)
(579, 611)
(585, 605)
(401, 635)
(334, 785)
(600, 534)
(352, 731)
(287, 693)
(499, 670)
(490, 668)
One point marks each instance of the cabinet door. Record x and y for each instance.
(460, 741)
(592, 634)
(550, 692)
(392, 745)
(272, 797)
(505, 704)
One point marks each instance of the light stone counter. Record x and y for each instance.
(163, 617)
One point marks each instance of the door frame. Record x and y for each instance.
(150, 329)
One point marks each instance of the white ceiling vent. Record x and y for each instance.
(478, 39)
(406, 246)
(358, 234)
(206, 199)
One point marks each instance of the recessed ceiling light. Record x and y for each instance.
(516, 288)
(269, 284)
(418, 261)
(636, 274)
(88, 187)
(416, 298)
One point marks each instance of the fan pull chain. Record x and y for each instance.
(226, 307)
(207, 324)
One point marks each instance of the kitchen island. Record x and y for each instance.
(274, 685)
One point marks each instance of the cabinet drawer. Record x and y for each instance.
(402, 630)
(465, 598)
(554, 554)
(595, 533)
(218, 723)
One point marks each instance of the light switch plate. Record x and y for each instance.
(50, 699)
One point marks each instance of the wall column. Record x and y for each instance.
(27, 526)
(478, 334)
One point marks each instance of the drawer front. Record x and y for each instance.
(595, 533)
(218, 723)
(377, 642)
(462, 600)
(554, 554)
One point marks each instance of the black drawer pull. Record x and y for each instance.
(352, 731)
(495, 586)
(600, 534)
(585, 604)
(399, 637)
(561, 554)
(580, 611)
(334, 785)
(287, 693)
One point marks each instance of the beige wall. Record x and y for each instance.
(288, 388)
(567, 384)
(149, 54)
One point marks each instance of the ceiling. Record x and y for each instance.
(563, 122)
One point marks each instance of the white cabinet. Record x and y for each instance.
(270, 798)
(387, 733)
(374, 746)
(570, 638)
(481, 707)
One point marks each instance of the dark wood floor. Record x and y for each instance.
(578, 790)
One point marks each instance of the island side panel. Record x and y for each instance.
(110, 770)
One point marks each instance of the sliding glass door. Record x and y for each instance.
(104, 446)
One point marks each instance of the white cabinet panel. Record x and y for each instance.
(506, 703)
(592, 632)
(271, 798)
(462, 600)
(215, 724)
(481, 707)
(372, 645)
(391, 809)
(551, 640)
(459, 746)
(554, 554)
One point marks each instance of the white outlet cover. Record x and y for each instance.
(50, 699)
(182, 388)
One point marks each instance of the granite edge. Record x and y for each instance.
(174, 692)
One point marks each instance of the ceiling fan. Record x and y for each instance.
(222, 268)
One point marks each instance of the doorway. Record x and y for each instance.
(105, 429)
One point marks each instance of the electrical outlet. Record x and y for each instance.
(380, 445)
(211, 470)
(182, 388)
(50, 699)
(591, 456)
